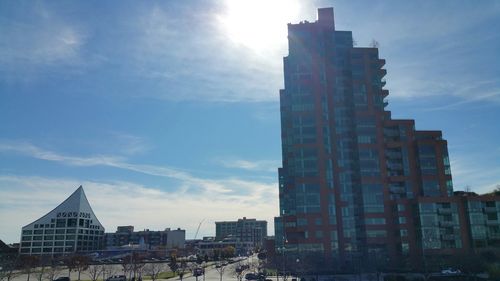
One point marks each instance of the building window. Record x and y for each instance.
(71, 223)
(376, 233)
(301, 222)
(61, 223)
(371, 221)
(431, 188)
(492, 216)
(405, 248)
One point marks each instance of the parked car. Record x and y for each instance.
(62, 279)
(198, 271)
(117, 278)
(251, 276)
(451, 271)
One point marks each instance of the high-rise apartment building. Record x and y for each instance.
(349, 170)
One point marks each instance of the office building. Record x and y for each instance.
(146, 239)
(70, 227)
(212, 247)
(349, 170)
(244, 230)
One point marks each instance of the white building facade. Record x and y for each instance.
(70, 227)
(244, 230)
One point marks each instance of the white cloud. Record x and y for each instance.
(40, 40)
(259, 165)
(480, 177)
(129, 144)
(220, 186)
(25, 199)
(194, 197)
(189, 56)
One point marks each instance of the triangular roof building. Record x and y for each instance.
(70, 227)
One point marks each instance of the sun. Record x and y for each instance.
(259, 25)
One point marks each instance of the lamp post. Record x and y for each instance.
(284, 259)
(283, 226)
(298, 268)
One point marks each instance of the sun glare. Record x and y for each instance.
(259, 25)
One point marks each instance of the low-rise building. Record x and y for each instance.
(211, 246)
(244, 230)
(445, 227)
(125, 235)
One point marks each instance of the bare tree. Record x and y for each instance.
(52, 271)
(94, 271)
(220, 269)
(178, 268)
(173, 265)
(28, 263)
(182, 269)
(153, 270)
(127, 267)
(108, 271)
(79, 264)
(8, 265)
(137, 265)
(45, 261)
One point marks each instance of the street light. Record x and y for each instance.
(298, 273)
(284, 259)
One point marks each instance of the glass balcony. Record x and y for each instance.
(444, 211)
(446, 223)
(490, 209)
(492, 222)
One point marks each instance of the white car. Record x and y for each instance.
(451, 271)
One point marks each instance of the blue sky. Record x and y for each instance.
(167, 111)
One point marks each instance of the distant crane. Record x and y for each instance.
(198, 229)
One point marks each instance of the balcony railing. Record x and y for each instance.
(393, 155)
(448, 237)
(490, 209)
(385, 93)
(444, 211)
(446, 223)
(492, 222)
(494, 235)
